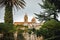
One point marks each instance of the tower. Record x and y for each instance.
(25, 18)
(33, 20)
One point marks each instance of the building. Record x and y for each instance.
(26, 23)
(32, 24)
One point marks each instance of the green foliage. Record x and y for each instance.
(43, 16)
(21, 31)
(31, 30)
(50, 24)
(56, 3)
(50, 11)
(1, 27)
(20, 36)
(47, 5)
(50, 30)
(21, 26)
(7, 30)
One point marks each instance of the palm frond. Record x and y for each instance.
(17, 3)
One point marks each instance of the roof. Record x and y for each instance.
(21, 23)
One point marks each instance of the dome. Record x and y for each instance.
(33, 20)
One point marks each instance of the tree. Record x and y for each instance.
(56, 3)
(50, 30)
(42, 16)
(20, 30)
(9, 4)
(50, 11)
(8, 18)
(7, 30)
(20, 37)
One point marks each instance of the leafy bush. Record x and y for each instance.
(50, 30)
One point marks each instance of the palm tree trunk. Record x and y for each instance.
(8, 18)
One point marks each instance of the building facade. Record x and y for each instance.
(32, 24)
(26, 23)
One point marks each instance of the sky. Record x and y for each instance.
(18, 15)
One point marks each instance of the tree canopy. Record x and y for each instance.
(50, 11)
(50, 30)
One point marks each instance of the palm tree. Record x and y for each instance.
(9, 4)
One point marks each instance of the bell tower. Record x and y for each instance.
(25, 18)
